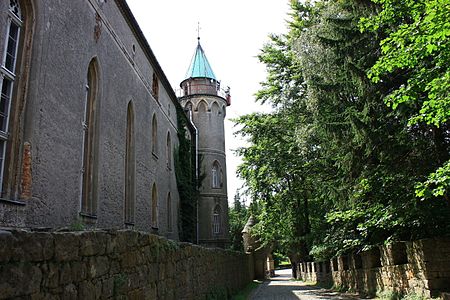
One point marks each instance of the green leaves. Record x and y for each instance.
(437, 184)
(332, 168)
(420, 46)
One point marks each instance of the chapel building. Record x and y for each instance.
(88, 120)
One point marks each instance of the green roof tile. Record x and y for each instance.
(200, 67)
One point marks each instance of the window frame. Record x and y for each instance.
(154, 136)
(216, 171)
(169, 151)
(154, 220)
(10, 77)
(89, 194)
(169, 213)
(130, 168)
(216, 220)
(155, 87)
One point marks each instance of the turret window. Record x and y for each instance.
(216, 220)
(216, 175)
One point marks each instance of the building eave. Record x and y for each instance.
(132, 22)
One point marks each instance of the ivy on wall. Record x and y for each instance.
(187, 182)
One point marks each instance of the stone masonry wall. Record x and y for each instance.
(114, 265)
(421, 267)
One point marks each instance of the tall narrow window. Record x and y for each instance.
(169, 151)
(155, 86)
(154, 207)
(216, 220)
(89, 188)
(215, 175)
(130, 167)
(169, 213)
(154, 135)
(8, 77)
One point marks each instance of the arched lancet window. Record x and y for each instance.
(169, 151)
(90, 127)
(9, 71)
(130, 165)
(202, 106)
(216, 220)
(216, 172)
(154, 206)
(154, 135)
(169, 213)
(215, 109)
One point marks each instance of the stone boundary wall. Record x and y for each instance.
(421, 267)
(115, 264)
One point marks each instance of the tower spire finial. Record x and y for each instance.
(198, 31)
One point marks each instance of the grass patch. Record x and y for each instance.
(245, 293)
(390, 295)
(307, 282)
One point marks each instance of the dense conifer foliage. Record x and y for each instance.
(333, 168)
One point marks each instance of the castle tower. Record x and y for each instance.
(205, 103)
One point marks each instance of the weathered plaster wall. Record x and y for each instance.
(67, 36)
(421, 267)
(115, 265)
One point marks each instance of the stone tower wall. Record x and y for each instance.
(208, 113)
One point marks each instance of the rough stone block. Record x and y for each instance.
(19, 279)
(137, 294)
(65, 274)
(86, 274)
(86, 290)
(111, 244)
(93, 243)
(108, 288)
(70, 292)
(50, 274)
(128, 260)
(37, 246)
(66, 246)
(114, 267)
(97, 266)
(7, 244)
(150, 292)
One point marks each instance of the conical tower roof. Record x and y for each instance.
(200, 67)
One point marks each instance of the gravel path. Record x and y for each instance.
(281, 287)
